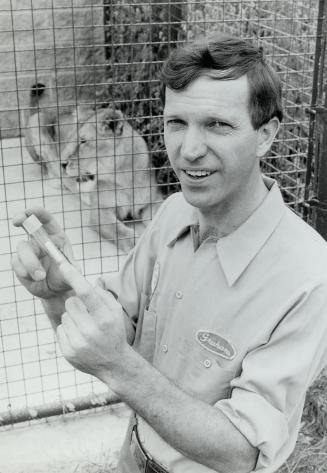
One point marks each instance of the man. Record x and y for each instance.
(224, 298)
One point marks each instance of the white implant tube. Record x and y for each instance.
(34, 228)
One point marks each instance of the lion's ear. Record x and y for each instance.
(112, 121)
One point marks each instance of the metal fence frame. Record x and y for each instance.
(317, 149)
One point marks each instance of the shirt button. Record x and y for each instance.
(207, 363)
(164, 348)
(179, 294)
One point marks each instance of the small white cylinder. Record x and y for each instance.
(34, 228)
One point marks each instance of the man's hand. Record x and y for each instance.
(34, 269)
(92, 333)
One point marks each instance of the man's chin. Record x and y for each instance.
(198, 201)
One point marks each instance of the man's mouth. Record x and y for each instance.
(198, 173)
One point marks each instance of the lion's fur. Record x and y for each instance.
(98, 155)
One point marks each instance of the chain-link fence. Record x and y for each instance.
(76, 73)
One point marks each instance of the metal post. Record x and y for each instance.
(320, 209)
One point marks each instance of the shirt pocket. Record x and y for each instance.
(204, 377)
(145, 336)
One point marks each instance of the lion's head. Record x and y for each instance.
(99, 146)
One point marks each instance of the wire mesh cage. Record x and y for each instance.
(81, 134)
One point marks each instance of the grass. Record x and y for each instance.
(310, 454)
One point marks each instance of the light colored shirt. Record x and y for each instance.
(240, 323)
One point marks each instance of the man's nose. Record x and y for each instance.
(193, 145)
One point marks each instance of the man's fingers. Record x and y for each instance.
(28, 259)
(72, 329)
(79, 313)
(101, 284)
(94, 298)
(45, 217)
(80, 285)
(110, 298)
(63, 341)
(19, 268)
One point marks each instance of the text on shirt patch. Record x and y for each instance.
(215, 343)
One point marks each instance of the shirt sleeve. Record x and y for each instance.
(268, 397)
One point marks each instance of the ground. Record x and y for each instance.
(82, 443)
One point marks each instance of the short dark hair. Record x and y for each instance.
(224, 57)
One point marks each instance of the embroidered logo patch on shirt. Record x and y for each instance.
(215, 343)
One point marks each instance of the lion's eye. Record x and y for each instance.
(82, 141)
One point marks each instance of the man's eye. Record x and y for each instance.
(175, 122)
(82, 141)
(218, 124)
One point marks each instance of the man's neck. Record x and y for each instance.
(227, 219)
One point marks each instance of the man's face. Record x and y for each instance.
(211, 143)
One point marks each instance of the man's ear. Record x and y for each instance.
(266, 135)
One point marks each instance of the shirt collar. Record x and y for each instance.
(238, 249)
(186, 219)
